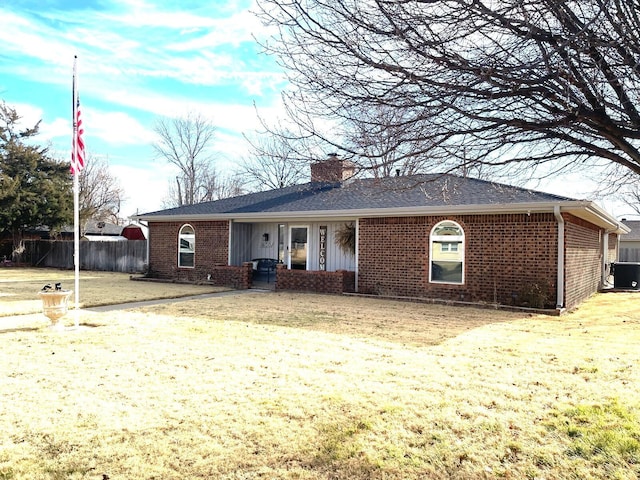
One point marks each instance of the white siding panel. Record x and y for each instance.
(240, 243)
(260, 248)
(248, 243)
(336, 258)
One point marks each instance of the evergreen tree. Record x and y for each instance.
(35, 190)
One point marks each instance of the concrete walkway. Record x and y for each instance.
(160, 301)
(34, 321)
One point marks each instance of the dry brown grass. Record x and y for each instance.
(294, 386)
(19, 288)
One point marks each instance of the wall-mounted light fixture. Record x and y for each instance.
(265, 237)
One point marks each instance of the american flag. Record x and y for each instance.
(77, 148)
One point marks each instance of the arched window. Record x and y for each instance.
(186, 246)
(446, 253)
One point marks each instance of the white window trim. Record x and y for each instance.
(290, 245)
(194, 246)
(460, 239)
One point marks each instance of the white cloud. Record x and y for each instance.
(29, 114)
(56, 129)
(141, 41)
(144, 188)
(231, 116)
(113, 128)
(116, 128)
(138, 59)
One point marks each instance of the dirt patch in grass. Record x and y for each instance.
(396, 321)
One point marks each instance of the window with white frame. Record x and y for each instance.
(446, 253)
(186, 247)
(449, 247)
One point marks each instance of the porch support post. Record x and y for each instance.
(230, 247)
(357, 251)
(605, 255)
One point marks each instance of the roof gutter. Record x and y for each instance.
(560, 278)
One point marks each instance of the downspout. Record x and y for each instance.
(357, 250)
(605, 258)
(560, 279)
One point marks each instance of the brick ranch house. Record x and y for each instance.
(438, 237)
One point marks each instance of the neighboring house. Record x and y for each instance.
(102, 232)
(110, 232)
(630, 243)
(427, 236)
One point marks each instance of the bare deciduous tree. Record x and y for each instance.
(213, 187)
(276, 160)
(186, 143)
(386, 148)
(100, 193)
(503, 81)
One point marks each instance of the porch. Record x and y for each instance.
(297, 245)
(294, 256)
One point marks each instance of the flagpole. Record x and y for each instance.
(76, 197)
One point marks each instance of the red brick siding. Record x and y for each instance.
(235, 277)
(211, 240)
(332, 170)
(503, 255)
(583, 259)
(315, 281)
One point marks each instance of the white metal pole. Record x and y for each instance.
(76, 198)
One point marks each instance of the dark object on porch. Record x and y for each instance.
(626, 275)
(264, 266)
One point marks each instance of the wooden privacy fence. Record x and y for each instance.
(629, 254)
(127, 256)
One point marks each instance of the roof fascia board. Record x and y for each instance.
(596, 215)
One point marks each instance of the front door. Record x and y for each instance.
(299, 252)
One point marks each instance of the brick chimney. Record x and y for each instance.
(332, 169)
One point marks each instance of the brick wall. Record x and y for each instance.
(504, 255)
(583, 260)
(239, 278)
(212, 243)
(315, 281)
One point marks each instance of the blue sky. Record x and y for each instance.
(138, 60)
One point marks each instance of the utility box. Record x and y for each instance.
(626, 275)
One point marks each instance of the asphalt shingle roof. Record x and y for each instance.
(634, 234)
(432, 190)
